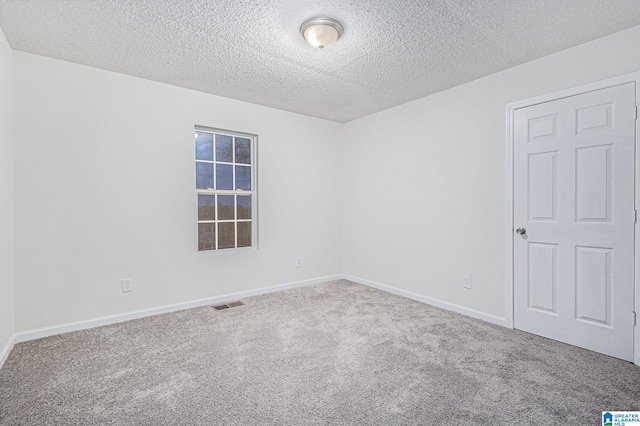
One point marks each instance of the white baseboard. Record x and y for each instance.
(430, 301)
(112, 319)
(4, 353)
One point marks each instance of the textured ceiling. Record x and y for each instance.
(393, 51)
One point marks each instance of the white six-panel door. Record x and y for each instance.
(574, 210)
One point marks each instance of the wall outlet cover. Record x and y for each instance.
(466, 281)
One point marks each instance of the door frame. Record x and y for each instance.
(509, 207)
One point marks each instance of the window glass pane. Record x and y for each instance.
(204, 175)
(206, 207)
(244, 207)
(243, 178)
(243, 150)
(227, 235)
(224, 176)
(224, 146)
(204, 146)
(226, 207)
(206, 236)
(244, 234)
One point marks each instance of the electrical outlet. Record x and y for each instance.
(127, 285)
(466, 281)
(299, 262)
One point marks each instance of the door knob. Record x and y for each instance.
(521, 231)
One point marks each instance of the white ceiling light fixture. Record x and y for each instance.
(321, 31)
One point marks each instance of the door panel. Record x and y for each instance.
(542, 186)
(593, 184)
(593, 284)
(542, 280)
(574, 194)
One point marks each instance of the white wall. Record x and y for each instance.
(6, 195)
(104, 181)
(424, 183)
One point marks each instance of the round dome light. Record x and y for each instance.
(321, 32)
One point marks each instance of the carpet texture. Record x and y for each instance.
(336, 353)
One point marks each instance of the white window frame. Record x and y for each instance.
(235, 192)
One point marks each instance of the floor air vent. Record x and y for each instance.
(228, 305)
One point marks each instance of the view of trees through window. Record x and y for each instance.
(225, 189)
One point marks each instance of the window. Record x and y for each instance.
(225, 188)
